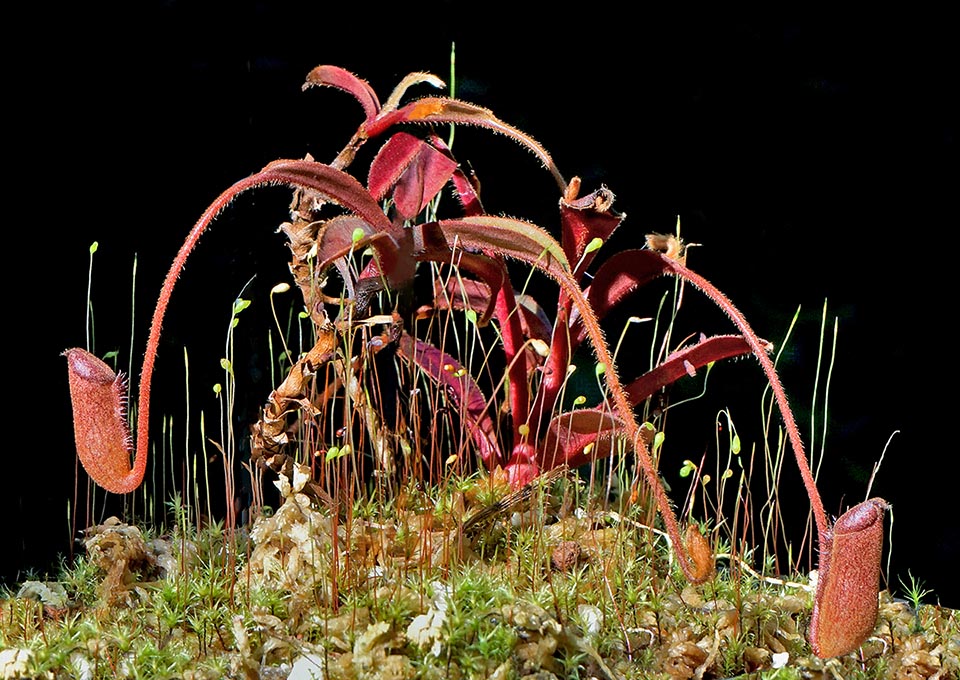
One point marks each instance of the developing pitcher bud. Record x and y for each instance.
(700, 554)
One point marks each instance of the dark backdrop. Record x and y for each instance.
(811, 156)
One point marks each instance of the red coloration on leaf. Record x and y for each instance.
(336, 238)
(335, 185)
(468, 193)
(522, 467)
(555, 367)
(414, 170)
(679, 363)
(427, 243)
(460, 293)
(393, 158)
(533, 319)
(334, 76)
(432, 244)
(335, 242)
(345, 191)
(467, 188)
(511, 238)
(103, 441)
(846, 604)
(619, 275)
(444, 110)
(422, 181)
(570, 434)
(584, 219)
(460, 386)
(98, 396)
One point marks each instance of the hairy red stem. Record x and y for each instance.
(793, 433)
(104, 447)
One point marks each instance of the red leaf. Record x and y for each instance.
(569, 434)
(533, 320)
(335, 242)
(467, 188)
(334, 76)
(677, 364)
(444, 110)
(422, 181)
(584, 219)
(460, 386)
(432, 244)
(391, 161)
(468, 193)
(510, 238)
(620, 275)
(413, 169)
(555, 366)
(460, 293)
(335, 185)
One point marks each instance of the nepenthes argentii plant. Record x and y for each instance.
(375, 233)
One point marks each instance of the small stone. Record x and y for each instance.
(566, 556)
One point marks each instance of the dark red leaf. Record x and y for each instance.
(579, 437)
(584, 219)
(422, 181)
(468, 193)
(336, 241)
(679, 363)
(467, 188)
(460, 386)
(461, 293)
(432, 244)
(509, 237)
(620, 275)
(533, 320)
(413, 169)
(554, 372)
(391, 161)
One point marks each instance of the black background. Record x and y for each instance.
(812, 156)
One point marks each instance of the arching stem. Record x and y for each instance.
(793, 433)
(99, 419)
